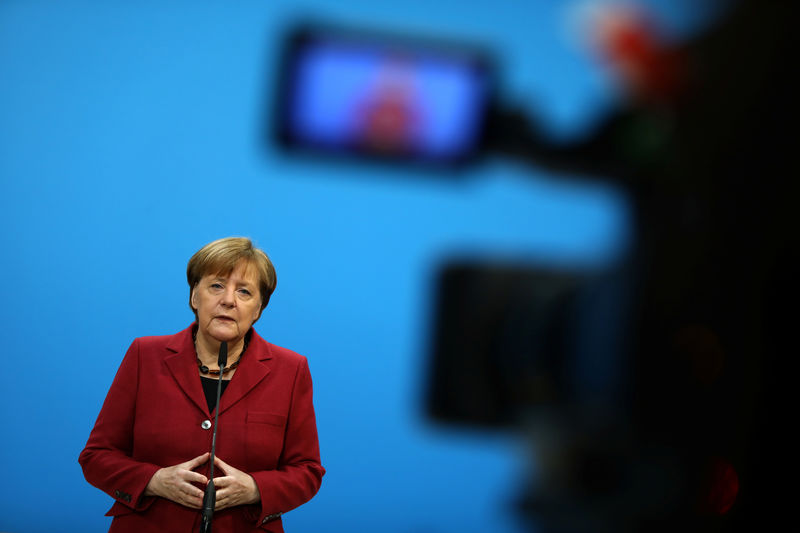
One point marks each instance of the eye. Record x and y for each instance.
(245, 292)
(217, 286)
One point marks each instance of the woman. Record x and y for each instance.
(149, 447)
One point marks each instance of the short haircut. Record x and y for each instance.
(223, 255)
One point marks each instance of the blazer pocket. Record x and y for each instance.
(263, 441)
(262, 417)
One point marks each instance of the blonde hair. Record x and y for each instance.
(223, 255)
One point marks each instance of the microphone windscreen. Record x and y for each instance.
(209, 502)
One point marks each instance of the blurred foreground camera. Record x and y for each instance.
(537, 350)
(648, 393)
(511, 340)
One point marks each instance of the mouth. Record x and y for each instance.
(225, 318)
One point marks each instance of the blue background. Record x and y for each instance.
(131, 135)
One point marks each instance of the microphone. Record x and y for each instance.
(210, 497)
(223, 357)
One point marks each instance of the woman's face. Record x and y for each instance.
(227, 306)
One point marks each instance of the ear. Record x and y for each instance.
(193, 299)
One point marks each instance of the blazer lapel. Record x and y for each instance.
(182, 364)
(250, 372)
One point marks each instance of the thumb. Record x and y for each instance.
(225, 467)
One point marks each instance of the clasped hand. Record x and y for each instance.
(175, 483)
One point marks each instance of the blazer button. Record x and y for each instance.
(206, 424)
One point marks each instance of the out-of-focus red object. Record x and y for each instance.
(649, 67)
(720, 487)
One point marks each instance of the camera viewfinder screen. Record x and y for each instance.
(374, 99)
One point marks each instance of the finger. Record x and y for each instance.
(193, 492)
(219, 500)
(221, 503)
(223, 465)
(195, 503)
(197, 461)
(224, 481)
(195, 499)
(224, 493)
(194, 477)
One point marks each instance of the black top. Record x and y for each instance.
(210, 388)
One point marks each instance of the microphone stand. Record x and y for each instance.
(210, 497)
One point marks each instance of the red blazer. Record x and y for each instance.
(154, 415)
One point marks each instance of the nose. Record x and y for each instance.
(229, 297)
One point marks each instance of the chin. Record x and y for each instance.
(226, 335)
